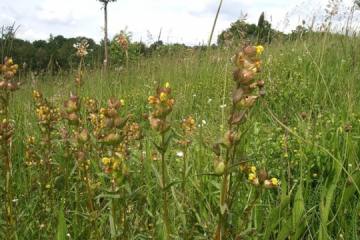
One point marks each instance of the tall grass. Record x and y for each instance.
(306, 132)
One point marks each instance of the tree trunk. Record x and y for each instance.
(105, 36)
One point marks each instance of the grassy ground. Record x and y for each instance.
(304, 132)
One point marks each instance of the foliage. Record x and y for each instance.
(102, 176)
(241, 31)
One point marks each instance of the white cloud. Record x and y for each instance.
(186, 21)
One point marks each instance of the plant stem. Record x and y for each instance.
(215, 20)
(6, 146)
(164, 183)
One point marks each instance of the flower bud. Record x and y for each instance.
(112, 138)
(262, 175)
(83, 136)
(250, 51)
(3, 84)
(219, 167)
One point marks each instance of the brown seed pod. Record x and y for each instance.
(260, 83)
(249, 51)
(3, 84)
(246, 76)
(237, 95)
(83, 136)
(262, 175)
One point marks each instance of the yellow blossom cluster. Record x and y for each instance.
(114, 166)
(259, 178)
(122, 41)
(109, 123)
(188, 125)
(6, 130)
(46, 114)
(31, 158)
(248, 64)
(8, 71)
(162, 104)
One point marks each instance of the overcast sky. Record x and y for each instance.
(186, 21)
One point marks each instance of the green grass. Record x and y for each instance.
(315, 157)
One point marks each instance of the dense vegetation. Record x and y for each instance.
(170, 147)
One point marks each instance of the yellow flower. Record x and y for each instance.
(163, 96)
(167, 84)
(259, 49)
(253, 169)
(116, 165)
(251, 177)
(274, 181)
(105, 160)
(153, 100)
(122, 101)
(36, 94)
(10, 61)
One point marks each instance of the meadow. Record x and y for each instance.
(91, 160)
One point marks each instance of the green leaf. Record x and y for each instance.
(299, 207)
(275, 217)
(61, 227)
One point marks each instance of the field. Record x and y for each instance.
(292, 171)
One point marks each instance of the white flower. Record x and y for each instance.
(81, 48)
(180, 154)
(203, 122)
(209, 100)
(223, 106)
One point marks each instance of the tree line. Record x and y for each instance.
(58, 53)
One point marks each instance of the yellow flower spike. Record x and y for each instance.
(163, 96)
(167, 85)
(10, 61)
(259, 49)
(274, 181)
(106, 161)
(251, 177)
(253, 169)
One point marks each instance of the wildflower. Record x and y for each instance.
(153, 100)
(122, 41)
(163, 96)
(81, 48)
(251, 176)
(180, 154)
(105, 161)
(253, 169)
(259, 49)
(167, 85)
(188, 125)
(36, 94)
(274, 181)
